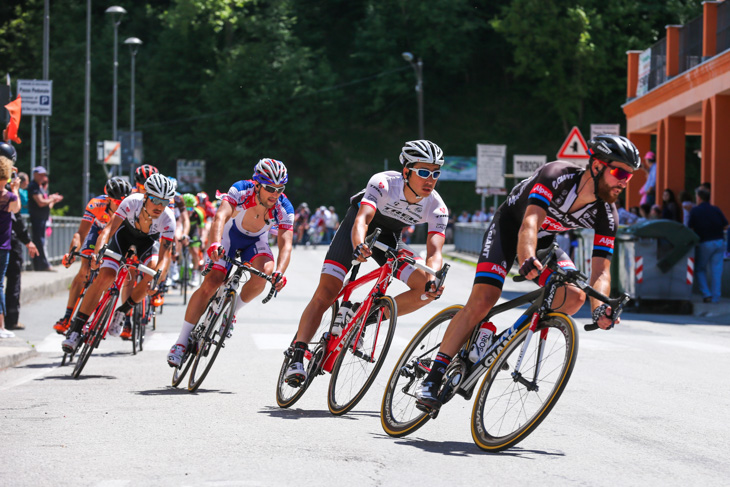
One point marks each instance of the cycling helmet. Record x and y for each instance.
(8, 151)
(202, 196)
(616, 148)
(421, 151)
(190, 200)
(117, 188)
(143, 172)
(270, 171)
(173, 180)
(159, 186)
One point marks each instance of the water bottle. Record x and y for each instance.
(483, 341)
(344, 314)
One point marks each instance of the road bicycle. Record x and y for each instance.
(208, 337)
(68, 357)
(526, 367)
(355, 356)
(96, 329)
(185, 271)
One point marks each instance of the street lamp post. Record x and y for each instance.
(418, 70)
(116, 14)
(133, 44)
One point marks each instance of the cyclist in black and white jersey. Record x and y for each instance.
(140, 220)
(391, 201)
(559, 196)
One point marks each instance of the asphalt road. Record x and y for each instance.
(646, 405)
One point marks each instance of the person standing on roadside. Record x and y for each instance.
(648, 191)
(39, 206)
(9, 204)
(709, 223)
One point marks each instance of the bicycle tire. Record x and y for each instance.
(93, 337)
(287, 395)
(184, 277)
(137, 328)
(398, 414)
(208, 347)
(356, 368)
(555, 364)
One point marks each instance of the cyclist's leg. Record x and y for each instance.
(103, 282)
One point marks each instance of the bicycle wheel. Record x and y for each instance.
(93, 336)
(398, 413)
(287, 395)
(361, 358)
(184, 269)
(137, 328)
(211, 342)
(511, 403)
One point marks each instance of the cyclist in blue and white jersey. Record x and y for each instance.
(242, 222)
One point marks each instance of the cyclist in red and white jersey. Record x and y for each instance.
(141, 220)
(559, 196)
(97, 214)
(392, 201)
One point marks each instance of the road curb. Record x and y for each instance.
(11, 356)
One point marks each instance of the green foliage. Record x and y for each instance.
(61, 211)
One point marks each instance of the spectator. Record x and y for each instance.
(670, 208)
(625, 217)
(709, 223)
(655, 213)
(490, 215)
(479, 217)
(39, 206)
(464, 217)
(332, 222)
(635, 211)
(9, 204)
(685, 201)
(23, 192)
(301, 224)
(647, 191)
(644, 212)
(450, 228)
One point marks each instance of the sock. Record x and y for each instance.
(185, 333)
(438, 369)
(299, 349)
(239, 304)
(69, 311)
(127, 305)
(79, 322)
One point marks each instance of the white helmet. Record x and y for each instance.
(270, 171)
(159, 186)
(421, 151)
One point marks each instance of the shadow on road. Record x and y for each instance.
(465, 449)
(38, 366)
(82, 377)
(276, 412)
(174, 391)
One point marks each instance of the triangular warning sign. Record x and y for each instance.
(574, 147)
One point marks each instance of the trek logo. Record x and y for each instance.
(552, 225)
(382, 186)
(542, 190)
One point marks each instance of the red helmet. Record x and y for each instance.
(143, 172)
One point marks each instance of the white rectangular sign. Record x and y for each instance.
(491, 161)
(112, 153)
(605, 128)
(642, 85)
(525, 166)
(37, 96)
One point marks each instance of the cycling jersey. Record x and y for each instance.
(384, 193)
(96, 211)
(161, 227)
(554, 188)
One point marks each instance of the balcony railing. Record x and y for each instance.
(690, 44)
(723, 27)
(658, 70)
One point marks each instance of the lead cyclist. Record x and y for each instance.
(559, 196)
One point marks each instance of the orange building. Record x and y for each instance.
(683, 89)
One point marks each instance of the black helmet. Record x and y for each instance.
(614, 148)
(117, 188)
(8, 151)
(143, 172)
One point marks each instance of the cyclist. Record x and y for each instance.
(301, 224)
(242, 222)
(391, 201)
(193, 237)
(557, 197)
(141, 220)
(98, 213)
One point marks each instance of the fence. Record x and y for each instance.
(658, 69)
(690, 44)
(723, 27)
(62, 231)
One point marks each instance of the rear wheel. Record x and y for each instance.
(287, 395)
(211, 342)
(361, 358)
(398, 413)
(93, 336)
(138, 327)
(512, 403)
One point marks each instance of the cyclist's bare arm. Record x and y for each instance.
(80, 235)
(163, 258)
(284, 241)
(527, 237)
(601, 282)
(365, 215)
(225, 210)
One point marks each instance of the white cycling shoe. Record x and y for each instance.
(295, 375)
(174, 358)
(70, 343)
(117, 324)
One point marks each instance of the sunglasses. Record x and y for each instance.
(273, 189)
(425, 173)
(618, 173)
(159, 201)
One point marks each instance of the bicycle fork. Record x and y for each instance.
(516, 375)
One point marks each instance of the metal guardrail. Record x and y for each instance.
(468, 237)
(62, 231)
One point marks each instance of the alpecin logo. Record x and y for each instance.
(542, 190)
(499, 270)
(603, 241)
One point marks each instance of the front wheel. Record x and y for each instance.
(513, 401)
(362, 356)
(93, 337)
(398, 413)
(211, 342)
